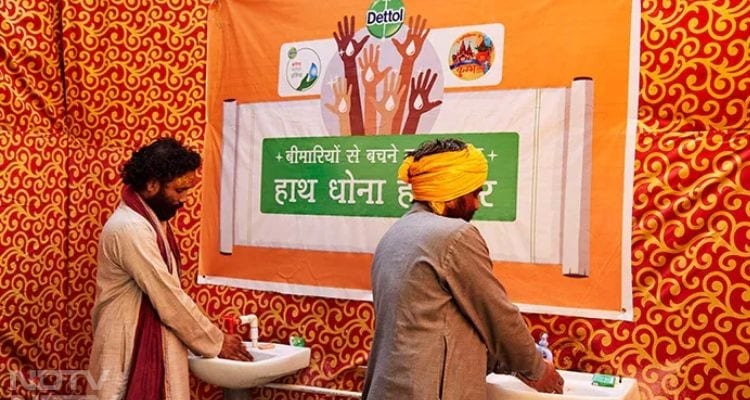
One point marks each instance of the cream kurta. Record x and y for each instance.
(129, 265)
(440, 314)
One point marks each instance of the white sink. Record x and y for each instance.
(269, 364)
(578, 386)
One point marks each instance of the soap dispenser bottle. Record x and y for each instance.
(543, 348)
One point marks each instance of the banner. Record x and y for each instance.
(311, 113)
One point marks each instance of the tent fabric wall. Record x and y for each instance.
(33, 193)
(133, 72)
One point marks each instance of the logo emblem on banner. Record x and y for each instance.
(471, 56)
(302, 68)
(385, 18)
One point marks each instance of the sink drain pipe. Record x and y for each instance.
(313, 389)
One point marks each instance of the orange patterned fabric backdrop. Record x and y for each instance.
(82, 84)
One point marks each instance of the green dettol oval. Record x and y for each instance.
(385, 17)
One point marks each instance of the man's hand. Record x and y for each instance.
(550, 382)
(234, 349)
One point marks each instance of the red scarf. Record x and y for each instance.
(146, 380)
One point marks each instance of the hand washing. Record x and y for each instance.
(272, 361)
(425, 275)
(578, 386)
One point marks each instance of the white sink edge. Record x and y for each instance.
(285, 360)
(577, 386)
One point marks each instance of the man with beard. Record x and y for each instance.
(442, 319)
(144, 322)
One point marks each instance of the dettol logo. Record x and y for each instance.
(385, 17)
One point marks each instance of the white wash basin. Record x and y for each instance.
(269, 364)
(577, 387)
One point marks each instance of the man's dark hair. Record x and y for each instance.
(163, 160)
(436, 146)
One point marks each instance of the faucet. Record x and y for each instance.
(251, 319)
(543, 348)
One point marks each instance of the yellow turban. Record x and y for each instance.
(445, 176)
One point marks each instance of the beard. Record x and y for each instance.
(162, 207)
(460, 209)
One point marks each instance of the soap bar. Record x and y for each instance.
(603, 380)
(265, 346)
(297, 341)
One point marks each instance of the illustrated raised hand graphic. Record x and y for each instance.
(409, 50)
(348, 49)
(419, 102)
(371, 76)
(393, 91)
(341, 105)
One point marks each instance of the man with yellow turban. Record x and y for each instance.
(442, 319)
